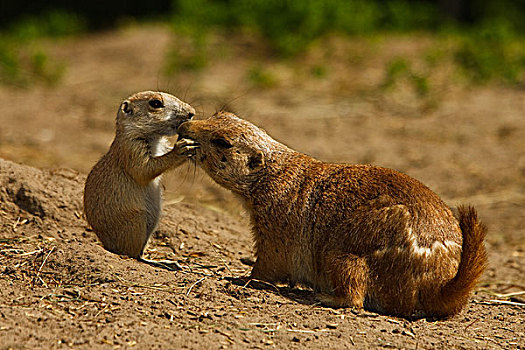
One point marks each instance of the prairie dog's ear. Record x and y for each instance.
(126, 108)
(256, 160)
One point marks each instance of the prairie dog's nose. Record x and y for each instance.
(191, 111)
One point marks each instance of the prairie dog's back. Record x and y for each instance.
(348, 192)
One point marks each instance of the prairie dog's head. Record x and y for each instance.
(151, 113)
(232, 151)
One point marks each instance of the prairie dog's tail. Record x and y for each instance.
(454, 295)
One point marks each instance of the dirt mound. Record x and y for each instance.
(60, 289)
(42, 196)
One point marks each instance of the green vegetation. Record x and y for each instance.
(319, 71)
(491, 49)
(487, 46)
(53, 24)
(399, 69)
(23, 63)
(291, 26)
(22, 60)
(261, 78)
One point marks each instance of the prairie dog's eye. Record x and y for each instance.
(156, 103)
(222, 143)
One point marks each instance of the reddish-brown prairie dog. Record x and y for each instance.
(359, 235)
(122, 195)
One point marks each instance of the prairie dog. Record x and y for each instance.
(122, 195)
(359, 235)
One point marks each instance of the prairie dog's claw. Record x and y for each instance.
(187, 147)
(187, 142)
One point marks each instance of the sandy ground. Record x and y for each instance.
(60, 289)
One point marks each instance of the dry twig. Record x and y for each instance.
(193, 285)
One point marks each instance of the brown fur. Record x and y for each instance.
(122, 196)
(360, 235)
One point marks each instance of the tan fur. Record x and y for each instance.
(360, 235)
(122, 196)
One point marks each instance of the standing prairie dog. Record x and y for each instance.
(122, 196)
(360, 235)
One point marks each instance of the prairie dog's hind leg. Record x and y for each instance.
(163, 264)
(348, 275)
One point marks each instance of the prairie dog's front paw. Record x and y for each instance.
(186, 147)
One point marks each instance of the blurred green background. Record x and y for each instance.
(349, 15)
(486, 35)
